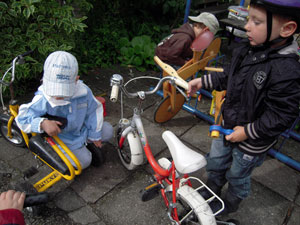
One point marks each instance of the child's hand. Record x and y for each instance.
(12, 200)
(51, 127)
(238, 135)
(194, 86)
(98, 143)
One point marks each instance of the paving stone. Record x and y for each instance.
(94, 183)
(68, 200)
(124, 206)
(295, 216)
(264, 206)
(278, 177)
(198, 137)
(84, 215)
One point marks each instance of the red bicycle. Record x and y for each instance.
(184, 203)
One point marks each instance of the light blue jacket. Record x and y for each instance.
(83, 112)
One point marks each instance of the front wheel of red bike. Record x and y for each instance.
(131, 152)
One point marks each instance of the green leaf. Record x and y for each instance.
(12, 13)
(26, 13)
(31, 9)
(3, 5)
(136, 41)
(123, 41)
(40, 18)
(137, 49)
(137, 61)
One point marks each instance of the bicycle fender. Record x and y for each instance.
(198, 204)
(135, 148)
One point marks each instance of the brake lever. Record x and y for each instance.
(182, 92)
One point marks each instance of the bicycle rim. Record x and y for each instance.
(17, 138)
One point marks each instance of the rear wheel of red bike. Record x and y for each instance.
(16, 139)
(130, 152)
(193, 209)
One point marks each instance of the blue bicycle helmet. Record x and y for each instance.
(290, 8)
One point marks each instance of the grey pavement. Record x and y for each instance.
(109, 195)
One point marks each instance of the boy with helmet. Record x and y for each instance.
(262, 99)
(62, 94)
(176, 48)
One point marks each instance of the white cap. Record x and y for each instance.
(60, 72)
(208, 19)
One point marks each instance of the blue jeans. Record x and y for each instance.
(229, 164)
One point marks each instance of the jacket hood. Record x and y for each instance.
(290, 49)
(185, 28)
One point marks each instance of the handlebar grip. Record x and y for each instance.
(114, 93)
(214, 69)
(216, 129)
(36, 199)
(182, 83)
(26, 53)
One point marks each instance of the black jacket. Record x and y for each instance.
(263, 93)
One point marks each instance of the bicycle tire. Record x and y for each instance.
(163, 113)
(131, 153)
(202, 213)
(17, 137)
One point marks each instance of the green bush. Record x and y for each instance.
(110, 21)
(42, 26)
(138, 52)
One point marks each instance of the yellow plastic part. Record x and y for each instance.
(47, 181)
(65, 159)
(213, 103)
(215, 134)
(70, 154)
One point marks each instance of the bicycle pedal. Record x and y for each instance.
(150, 191)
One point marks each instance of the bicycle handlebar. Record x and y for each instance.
(141, 94)
(36, 199)
(19, 59)
(26, 53)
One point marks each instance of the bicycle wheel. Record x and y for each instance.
(163, 111)
(131, 152)
(17, 138)
(191, 201)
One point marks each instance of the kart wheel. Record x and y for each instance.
(16, 139)
(164, 112)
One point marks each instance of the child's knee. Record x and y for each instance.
(107, 131)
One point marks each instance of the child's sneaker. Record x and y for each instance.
(98, 157)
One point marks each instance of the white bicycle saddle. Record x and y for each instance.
(186, 160)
